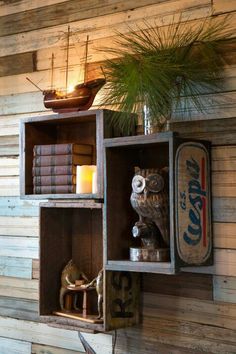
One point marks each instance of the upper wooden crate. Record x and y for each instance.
(87, 127)
(122, 155)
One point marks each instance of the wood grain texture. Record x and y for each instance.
(72, 11)
(221, 6)
(9, 144)
(224, 289)
(13, 346)
(40, 333)
(19, 226)
(18, 64)
(9, 166)
(16, 267)
(24, 247)
(25, 309)
(19, 288)
(14, 206)
(40, 349)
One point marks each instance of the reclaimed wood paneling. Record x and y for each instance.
(165, 336)
(14, 6)
(25, 309)
(40, 349)
(97, 28)
(13, 346)
(224, 209)
(9, 186)
(9, 145)
(224, 264)
(224, 235)
(35, 269)
(72, 11)
(14, 206)
(186, 285)
(224, 289)
(17, 64)
(42, 334)
(19, 288)
(16, 267)
(24, 247)
(192, 310)
(19, 226)
(9, 166)
(222, 6)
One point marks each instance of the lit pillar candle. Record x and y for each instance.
(94, 181)
(84, 179)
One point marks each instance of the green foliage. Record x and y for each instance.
(166, 68)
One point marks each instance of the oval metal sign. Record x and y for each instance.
(193, 210)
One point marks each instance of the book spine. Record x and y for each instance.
(62, 149)
(54, 180)
(54, 189)
(54, 170)
(56, 160)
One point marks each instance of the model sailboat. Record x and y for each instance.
(83, 94)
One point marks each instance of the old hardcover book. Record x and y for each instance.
(54, 180)
(63, 149)
(54, 170)
(54, 189)
(57, 160)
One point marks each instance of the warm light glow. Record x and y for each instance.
(85, 181)
(70, 88)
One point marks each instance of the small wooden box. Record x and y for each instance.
(122, 155)
(73, 230)
(87, 127)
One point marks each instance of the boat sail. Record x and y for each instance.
(83, 94)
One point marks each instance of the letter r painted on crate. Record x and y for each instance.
(192, 204)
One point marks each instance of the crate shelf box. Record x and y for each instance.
(74, 230)
(160, 150)
(87, 127)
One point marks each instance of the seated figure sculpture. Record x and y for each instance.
(69, 275)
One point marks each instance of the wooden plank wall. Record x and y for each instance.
(193, 312)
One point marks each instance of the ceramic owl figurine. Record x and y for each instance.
(150, 199)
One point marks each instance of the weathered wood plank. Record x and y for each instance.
(40, 349)
(14, 206)
(42, 334)
(19, 308)
(224, 184)
(224, 289)
(97, 28)
(224, 264)
(72, 11)
(19, 288)
(19, 226)
(192, 310)
(186, 285)
(176, 337)
(223, 158)
(222, 6)
(9, 145)
(224, 209)
(9, 186)
(17, 64)
(13, 346)
(35, 269)
(16, 267)
(224, 235)
(11, 7)
(9, 166)
(24, 247)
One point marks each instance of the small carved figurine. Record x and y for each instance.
(150, 199)
(99, 288)
(69, 275)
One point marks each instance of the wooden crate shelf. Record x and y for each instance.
(87, 127)
(122, 155)
(74, 230)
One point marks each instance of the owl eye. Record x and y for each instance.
(155, 183)
(138, 183)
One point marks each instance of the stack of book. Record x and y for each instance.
(54, 166)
